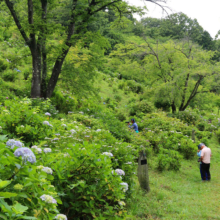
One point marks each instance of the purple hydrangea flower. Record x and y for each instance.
(119, 172)
(26, 154)
(48, 114)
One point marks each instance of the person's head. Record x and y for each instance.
(201, 146)
(132, 120)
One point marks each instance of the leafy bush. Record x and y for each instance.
(121, 116)
(169, 160)
(22, 186)
(3, 65)
(141, 107)
(164, 105)
(218, 135)
(118, 98)
(63, 102)
(9, 75)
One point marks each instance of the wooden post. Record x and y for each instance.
(193, 135)
(143, 176)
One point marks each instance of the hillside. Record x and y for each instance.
(72, 76)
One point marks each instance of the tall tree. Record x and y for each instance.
(178, 71)
(46, 30)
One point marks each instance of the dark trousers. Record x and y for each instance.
(206, 175)
(205, 171)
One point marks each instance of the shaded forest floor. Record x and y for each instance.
(180, 195)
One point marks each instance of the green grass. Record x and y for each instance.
(180, 195)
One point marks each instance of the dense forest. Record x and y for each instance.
(72, 74)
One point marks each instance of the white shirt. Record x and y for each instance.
(206, 154)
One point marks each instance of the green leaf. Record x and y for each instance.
(3, 137)
(19, 209)
(2, 216)
(3, 184)
(7, 194)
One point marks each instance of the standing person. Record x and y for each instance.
(200, 165)
(205, 159)
(134, 125)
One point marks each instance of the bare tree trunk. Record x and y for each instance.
(55, 74)
(44, 52)
(36, 76)
(173, 106)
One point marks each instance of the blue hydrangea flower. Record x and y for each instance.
(26, 154)
(12, 143)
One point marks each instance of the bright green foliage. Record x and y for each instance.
(81, 174)
(21, 186)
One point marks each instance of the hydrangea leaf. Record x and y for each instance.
(19, 209)
(3, 184)
(7, 194)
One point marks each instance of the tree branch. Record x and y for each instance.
(17, 22)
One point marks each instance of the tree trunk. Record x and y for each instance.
(36, 76)
(173, 106)
(55, 74)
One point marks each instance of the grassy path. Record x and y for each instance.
(180, 195)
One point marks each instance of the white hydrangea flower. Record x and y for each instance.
(47, 170)
(73, 131)
(61, 217)
(98, 130)
(125, 186)
(64, 125)
(128, 163)
(34, 147)
(47, 150)
(107, 154)
(121, 203)
(48, 199)
(39, 151)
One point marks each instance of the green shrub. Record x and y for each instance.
(141, 107)
(121, 116)
(168, 160)
(9, 75)
(26, 73)
(118, 98)
(217, 133)
(63, 102)
(164, 105)
(21, 186)
(3, 65)
(201, 126)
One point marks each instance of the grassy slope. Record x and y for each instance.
(180, 195)
(173, 195)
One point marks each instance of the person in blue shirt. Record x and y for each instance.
(133, 125)
(199, 155)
